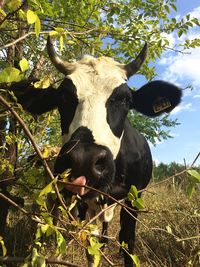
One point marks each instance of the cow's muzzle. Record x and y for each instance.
(90, 166)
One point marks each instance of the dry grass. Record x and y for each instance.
(171, 218)
(163, 237)
(173, 222)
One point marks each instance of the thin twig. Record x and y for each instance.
(10, 201)
(106, 258)
(20, 39)
(106, 195)
(198, 155)
(188, 238)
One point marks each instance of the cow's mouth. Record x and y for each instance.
(77, 186)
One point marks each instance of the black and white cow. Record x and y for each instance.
(100, 146)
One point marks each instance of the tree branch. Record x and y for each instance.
(31, 138)
(8, 259)
(9, 15)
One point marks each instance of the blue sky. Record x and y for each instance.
(183, 70)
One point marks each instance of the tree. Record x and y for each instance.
(112, 28)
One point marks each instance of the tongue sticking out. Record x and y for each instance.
(74, 188)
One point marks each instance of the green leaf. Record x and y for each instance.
(37, 26)
(10, 74)
(4, 250)
(24, 65)
(195, 175)
(166, 7)
(133, 193)
(61, 42)
(41, 198)
(180, 32)
(53, 33)
(31, 17)
(38, 260)
(93, 250)
(174, 7)
(70, 42)
(65, 175)
(43, 83)
(61, 243)
(14, 4)
(38, 233)
(60, 30)
(44, 228)
(124, 245)
(135, 260)
(22, 14)
(139, 203)
(47, 189)
(174, 20)
(190, 190)
(45, 152)
(196, 21)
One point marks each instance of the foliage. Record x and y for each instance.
(133, 197)
(111, 28)
(162, 170)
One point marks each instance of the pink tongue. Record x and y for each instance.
(80, 190)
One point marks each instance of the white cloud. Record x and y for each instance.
(183, 67)
(183, 106)
(175, 135)
(196, 96)
(195, 13)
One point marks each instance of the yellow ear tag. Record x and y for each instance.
(161, 104)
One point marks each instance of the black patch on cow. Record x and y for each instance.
(83, 134)
(35, 100)
(67, 104)
(117, 107)
(156, 97)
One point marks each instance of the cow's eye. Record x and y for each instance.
(124, 100)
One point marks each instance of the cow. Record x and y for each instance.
(100, 146)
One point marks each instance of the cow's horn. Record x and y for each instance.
(132, 67)
(63, 66)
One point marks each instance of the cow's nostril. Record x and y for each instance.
(100, 164)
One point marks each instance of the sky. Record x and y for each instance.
(182, 70)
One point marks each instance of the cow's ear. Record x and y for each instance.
(35, 100)
(155, 98)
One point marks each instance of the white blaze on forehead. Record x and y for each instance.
(95, 80)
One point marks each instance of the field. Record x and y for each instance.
(167, 234)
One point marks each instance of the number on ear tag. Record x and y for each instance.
(161, 104)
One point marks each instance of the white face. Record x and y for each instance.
(95, 80)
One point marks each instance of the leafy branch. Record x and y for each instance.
(31, 138)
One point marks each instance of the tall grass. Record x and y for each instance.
(171, 237)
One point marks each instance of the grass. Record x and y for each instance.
(167, 236)
(175, 220)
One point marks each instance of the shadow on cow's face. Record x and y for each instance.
(89, 164)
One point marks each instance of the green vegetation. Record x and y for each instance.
(112, 28)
